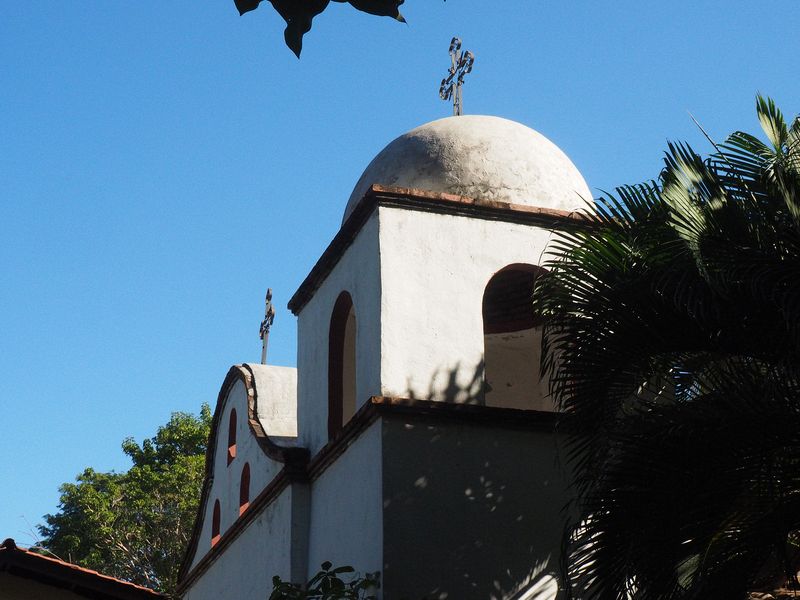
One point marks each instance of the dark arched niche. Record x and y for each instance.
(512, 339)
(215, 519)
(244, 488)
(341, 364)
(232, 436)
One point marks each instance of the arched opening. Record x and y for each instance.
(244, 489)
(232, 436)
(512, 340)
(215, 524)
(341, 364)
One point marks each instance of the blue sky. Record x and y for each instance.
(162, 163)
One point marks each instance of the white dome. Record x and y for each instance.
(479, 157)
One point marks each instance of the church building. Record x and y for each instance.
(414, 438)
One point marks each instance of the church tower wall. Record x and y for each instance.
(396, 446)
(357, 272)
(347, 507)
(435, 271)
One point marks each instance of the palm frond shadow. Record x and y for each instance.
(490, 494)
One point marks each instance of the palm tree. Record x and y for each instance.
(673, 350)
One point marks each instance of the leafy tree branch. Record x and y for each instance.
(135, 525)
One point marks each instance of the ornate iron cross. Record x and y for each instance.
(460, 65)
(269, 318)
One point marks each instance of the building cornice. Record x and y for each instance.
(426, 201)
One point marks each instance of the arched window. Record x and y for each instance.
(244, 489)
(512, 340)
(232, 436)
(215, 524)
(341, 364)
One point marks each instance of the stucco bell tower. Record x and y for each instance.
(425, 290)
(424, 445)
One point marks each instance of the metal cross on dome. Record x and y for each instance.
(460, 65)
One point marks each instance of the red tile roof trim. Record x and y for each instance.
(58, 573)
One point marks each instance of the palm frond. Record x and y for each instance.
(672, 346)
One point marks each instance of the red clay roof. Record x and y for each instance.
(50, 571)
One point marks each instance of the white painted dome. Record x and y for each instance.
(479, 157)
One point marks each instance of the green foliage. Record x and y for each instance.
(328, 584)
(673, 346)
(298, 14)
(135, 525)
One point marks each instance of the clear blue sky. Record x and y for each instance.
(162, 163)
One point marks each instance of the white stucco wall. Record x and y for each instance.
(225, 486)
(245, 570)
(357, 272)
(276, 390)
(346, 508)
(435, 269)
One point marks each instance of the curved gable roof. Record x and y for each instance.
(294, 458)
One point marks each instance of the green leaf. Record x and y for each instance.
(325, 585)
(135, 525)
(672, 345)
(344, 569)
(772, 123)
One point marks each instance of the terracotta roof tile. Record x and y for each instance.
(53, 571)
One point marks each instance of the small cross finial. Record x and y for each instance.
(269, 318)
(460, 65)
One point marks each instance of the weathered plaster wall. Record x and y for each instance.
(435, 268)
(276, 389)
(346, 505)
(225, 486)
(357, 272)
(245, 570)
(470, 511)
